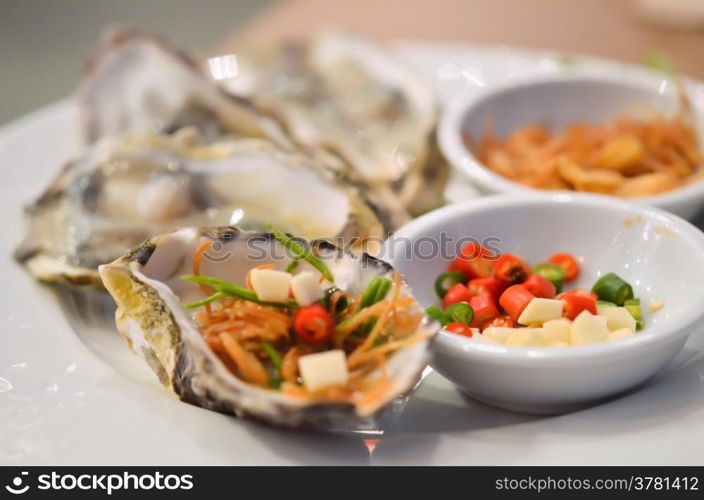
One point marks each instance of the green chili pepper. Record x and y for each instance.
(370, 293)
(341, 304)
(460, 312)
(604, 303)
(634, 308)
(300, 252)
(445, 281)
(437, 314)
(231, 290)
(551, 272)
(613, 289)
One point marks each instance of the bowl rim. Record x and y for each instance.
(464, 161)
(681, 326)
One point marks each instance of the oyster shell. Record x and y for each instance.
(122, 191)
(356, 99)
(139, 83)
(149, 294)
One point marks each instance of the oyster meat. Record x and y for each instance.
(355, 98)
(150, 294)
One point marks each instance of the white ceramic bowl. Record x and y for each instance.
(558, 101)
(660, 254)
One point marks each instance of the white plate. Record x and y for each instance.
(73, 394)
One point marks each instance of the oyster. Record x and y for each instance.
(122, 191)
(139, 83)
(150, 296)
(356, 99)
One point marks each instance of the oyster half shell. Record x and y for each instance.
(123, 191)
(149, 294)
(356, 99)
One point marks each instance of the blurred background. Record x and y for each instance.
(43, 43)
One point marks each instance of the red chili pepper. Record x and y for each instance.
(568, 263)
(458, 293)
(313, 324)
(484, 309)
(581, 292)
(510, 269)
(472, 262)
(460, 329)
(576, 303)
(515, 299)
(540, 287)
(502, 321)
(486, 286)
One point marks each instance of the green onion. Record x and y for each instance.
(301, 252)
(445, 281)
(551, 272)
(232, 290)
(613, 289)
(437, 314)
(460, 312)
(658, 61)
(273, 354)
(370, 293)
(292, 265)
(207, 300)
(384, 287)
(275, 378)
(633, 307)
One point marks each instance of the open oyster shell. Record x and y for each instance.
(123, 191)
(356, 99)
(139, 83)
(149, 294)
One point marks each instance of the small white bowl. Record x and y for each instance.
(660, 254)
(558, 101)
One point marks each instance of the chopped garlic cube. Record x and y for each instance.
(270, 285)
(527, 337)
(323, 369)
(623, 333)
(498, 333)
(618, 318)
(539, 310)
(557, 330)
(656, 305)
(306, 288)
(588, 329)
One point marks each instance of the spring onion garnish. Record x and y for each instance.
(551, 272)
(292, 265)
(370, 293)
(300, 252)
(445, 281)
(613, 289)
(275, 379)
(230, 290)
(207, 300)
(460, 312)
(384, 287)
